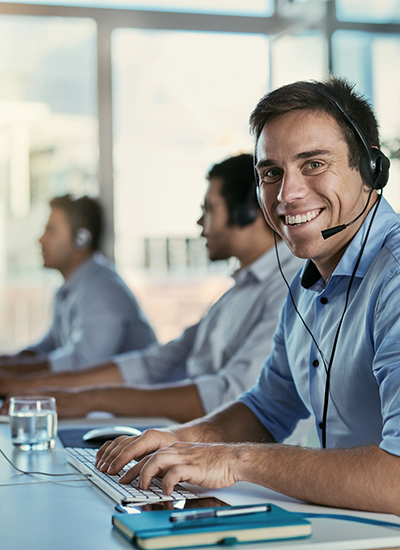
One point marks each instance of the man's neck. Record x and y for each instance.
(68, 270)
(252, 255)
(256, 249)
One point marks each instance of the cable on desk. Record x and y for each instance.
(357, 519)
(36, 482)
(87, 476)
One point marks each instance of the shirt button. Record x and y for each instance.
(315, 363)
(324, 300)
(321, 425)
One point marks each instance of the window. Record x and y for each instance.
(181, 103)
(384, 11)
(298, 57)
(369, 60)
(49, 146)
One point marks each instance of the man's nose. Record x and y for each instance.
(292, 187)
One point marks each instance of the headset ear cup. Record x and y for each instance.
(83, 238)
(382, 164)
(375, 172)
(244, 214)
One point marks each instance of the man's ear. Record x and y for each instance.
(366, 188)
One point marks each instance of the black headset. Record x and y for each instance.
(245, 213)
(374, 165)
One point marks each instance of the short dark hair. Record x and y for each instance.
(305, 95)
(83, 212)
(238, 182)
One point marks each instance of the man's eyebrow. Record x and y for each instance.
(265, 163)
(314, 153)
(300, 156)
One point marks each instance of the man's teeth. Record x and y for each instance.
(301, 218)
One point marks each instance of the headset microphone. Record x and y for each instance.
(326, 233)
(338, 228)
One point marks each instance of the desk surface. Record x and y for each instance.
(43, 512)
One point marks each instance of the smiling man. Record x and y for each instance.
(336, 352)
(301, 211)
(215, 360)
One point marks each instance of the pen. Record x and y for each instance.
(121, 508)
(226, 512)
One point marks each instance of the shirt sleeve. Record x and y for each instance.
(45, 346)
(48, 342)
(158, 363)
(274, 398)
(386, 366)
(242, 369)
(98, 327)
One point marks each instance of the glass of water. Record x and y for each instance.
(33, 422)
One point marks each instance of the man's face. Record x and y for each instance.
(306, 185)
(56, 241)
(214, 221)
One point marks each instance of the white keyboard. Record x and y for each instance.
(83, 459)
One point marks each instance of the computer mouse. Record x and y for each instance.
(109, 432)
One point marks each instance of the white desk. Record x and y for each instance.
(46, 513)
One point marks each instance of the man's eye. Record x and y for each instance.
(315, 164)
(270, 176)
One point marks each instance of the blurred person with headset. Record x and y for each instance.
(336, 351)
(215, 360)
(95, 314)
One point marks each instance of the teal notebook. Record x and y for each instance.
(153, 530)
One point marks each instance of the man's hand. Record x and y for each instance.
(9, 382)
(209, 465)
(24, 363)
(21, 371)
(7, 360)
(160, 453)
(114, 455)
(14, 359)
(70, 403)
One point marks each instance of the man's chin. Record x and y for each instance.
(217, 257)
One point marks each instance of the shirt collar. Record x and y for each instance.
(79, 273)
(385, 219)
(262, 268)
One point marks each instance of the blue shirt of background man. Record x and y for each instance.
(364, 401)
(224, 352)
(95, 316)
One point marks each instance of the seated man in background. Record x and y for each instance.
(95, 314)
(222, 355)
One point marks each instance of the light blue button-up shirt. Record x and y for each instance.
(222, 354)
(95, 316)
(364, 400)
